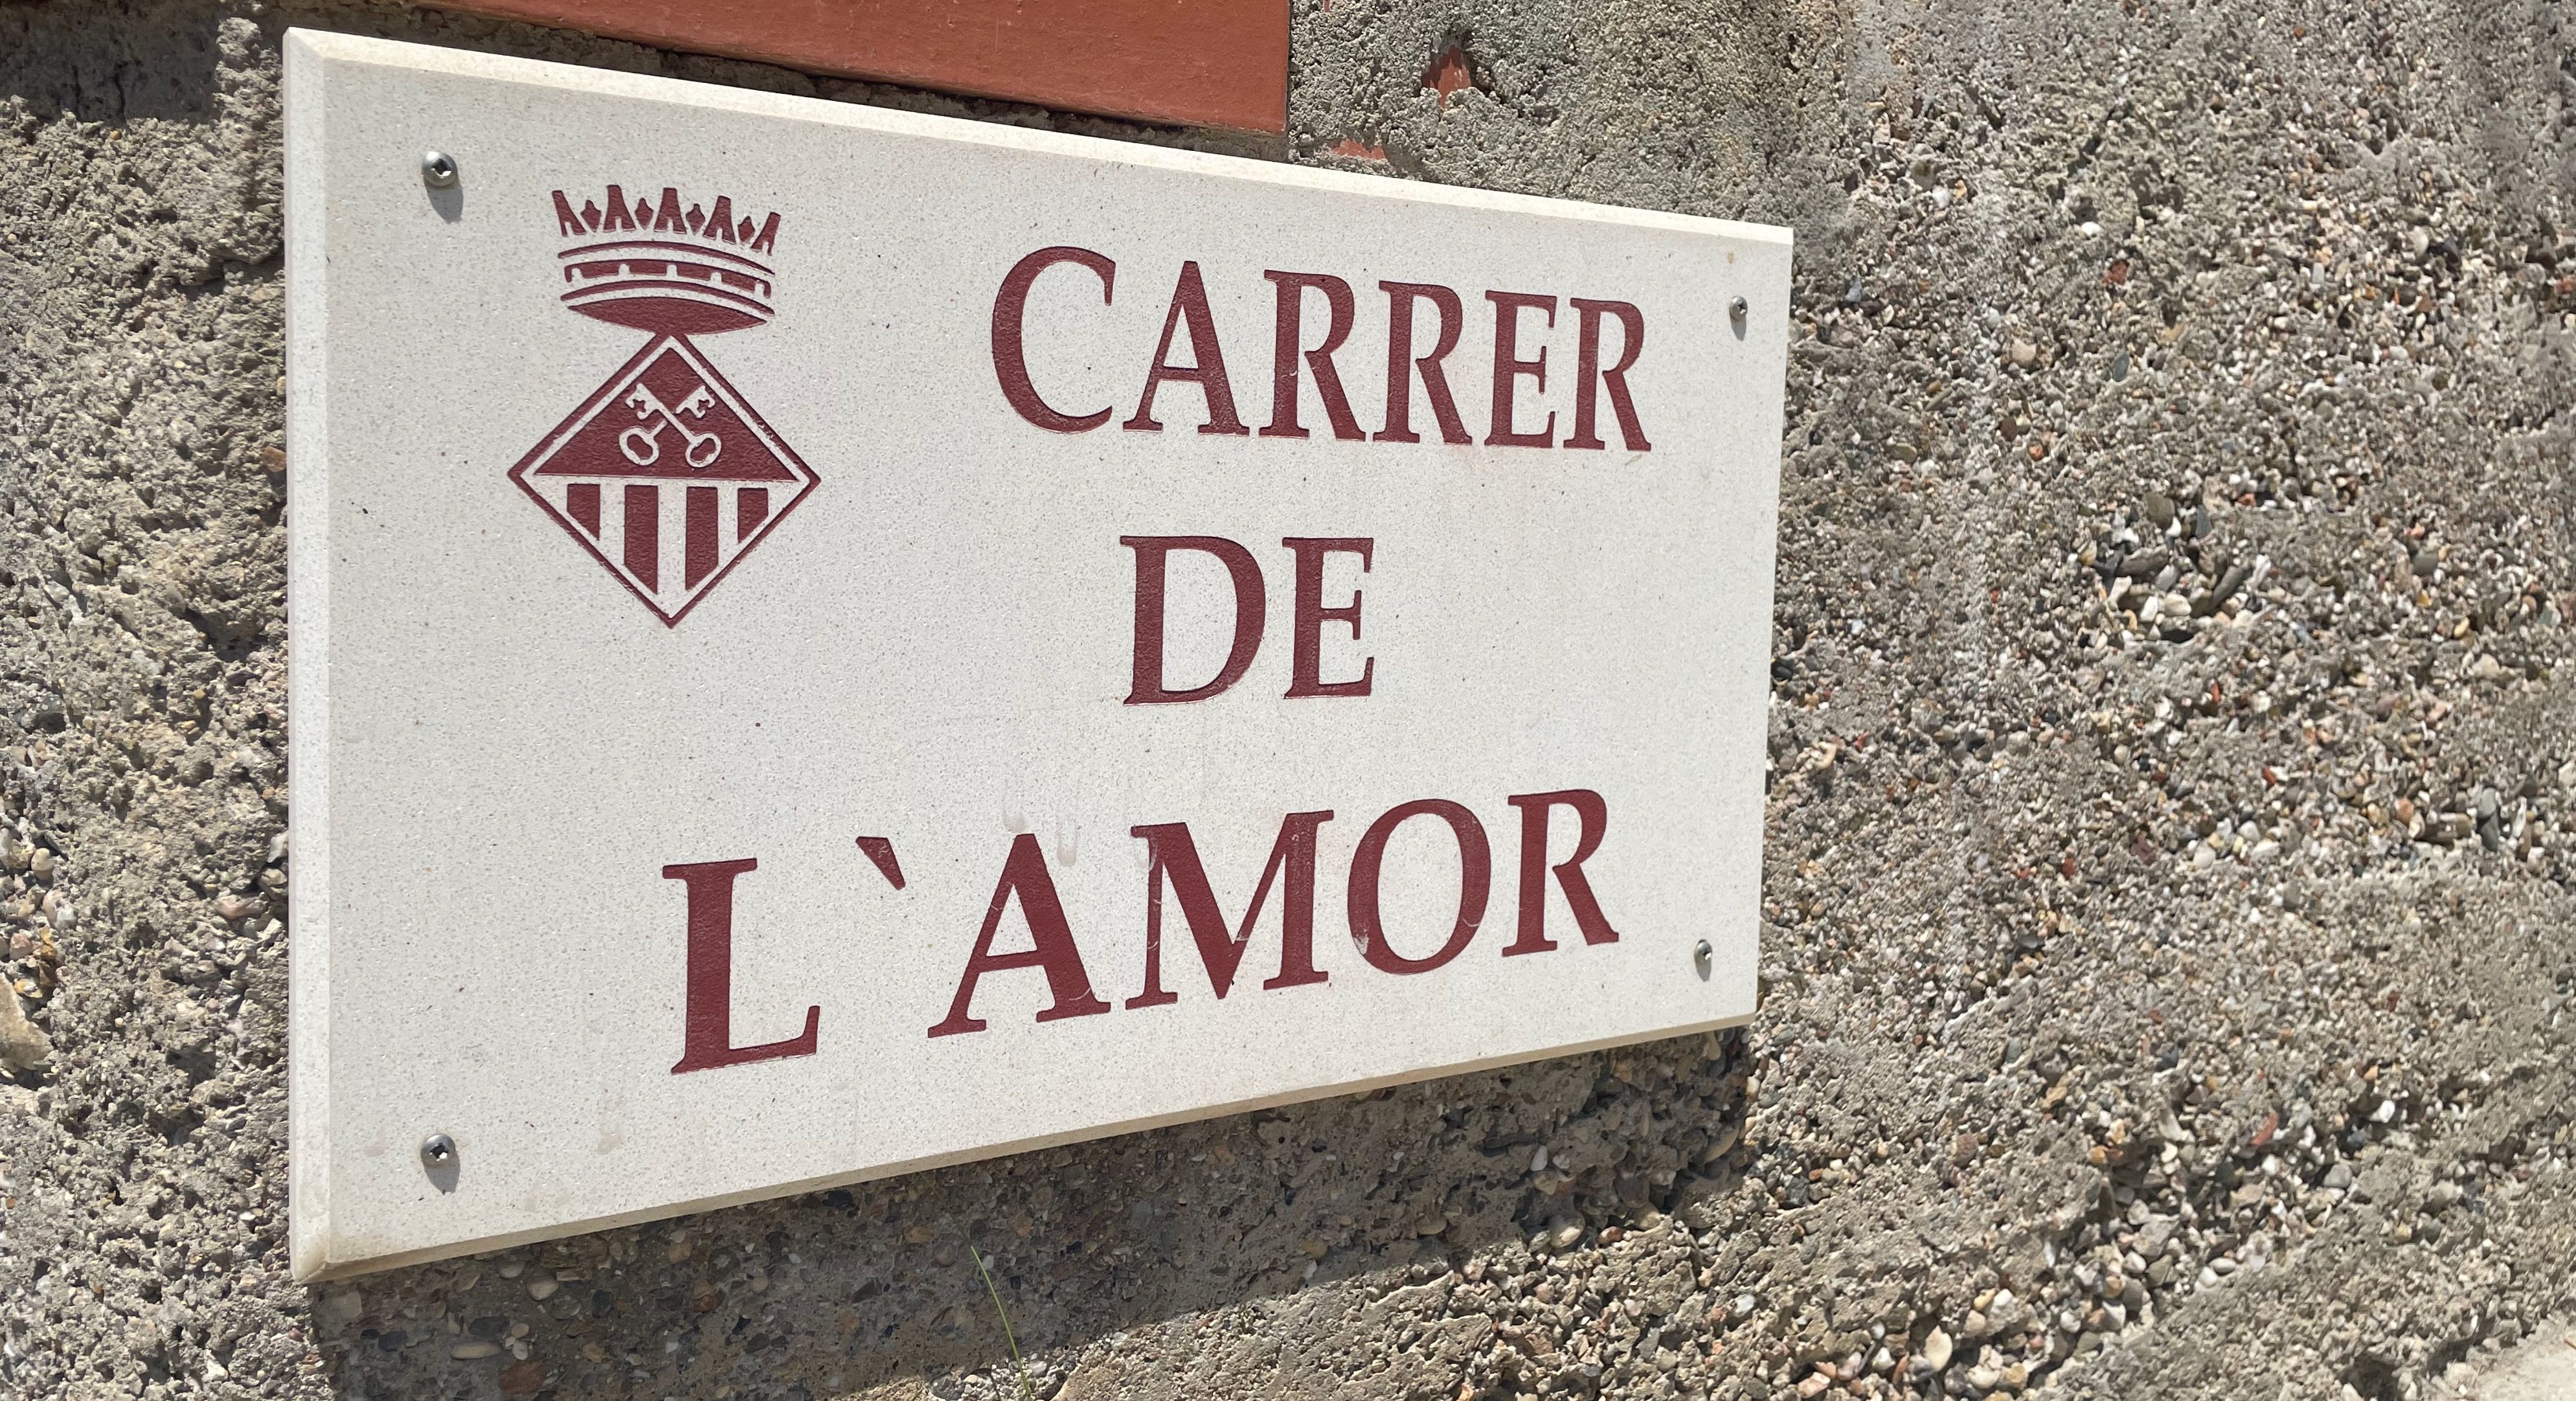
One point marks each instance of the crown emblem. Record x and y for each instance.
(666, 474)
(657, 267)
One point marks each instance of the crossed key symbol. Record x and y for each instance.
(642, 444)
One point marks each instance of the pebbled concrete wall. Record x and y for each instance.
(2173, 805)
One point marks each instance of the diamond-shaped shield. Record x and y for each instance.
(667, 476)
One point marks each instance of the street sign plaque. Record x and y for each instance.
(828, 641)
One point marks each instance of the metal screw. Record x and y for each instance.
(1701, 953)
(438, 169)
(437, 1151)
(1736, 310)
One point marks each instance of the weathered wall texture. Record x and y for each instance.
(2171, 949)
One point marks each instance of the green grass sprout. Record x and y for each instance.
(1018, 1367)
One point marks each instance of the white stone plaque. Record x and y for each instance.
(829, 642)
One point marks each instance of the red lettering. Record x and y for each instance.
(1250, 611)
(1172, 855)
(1306, 674)
(1190, 304)
(1594, 816)
(881, 851)
(1400, 297)
(1010, 359)
(1025, 874)
(1587, 365)
(1475, 881)
(1509, 369)
(706, 1039)
(1284, 355)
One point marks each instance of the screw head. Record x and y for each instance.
(437, 169)
(1739, 309)
(1701, 953)
(437, 1150)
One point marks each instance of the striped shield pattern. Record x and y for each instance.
(667, 476)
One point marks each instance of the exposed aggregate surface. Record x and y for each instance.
(2169, 952)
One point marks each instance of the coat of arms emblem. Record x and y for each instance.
(666, 474)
